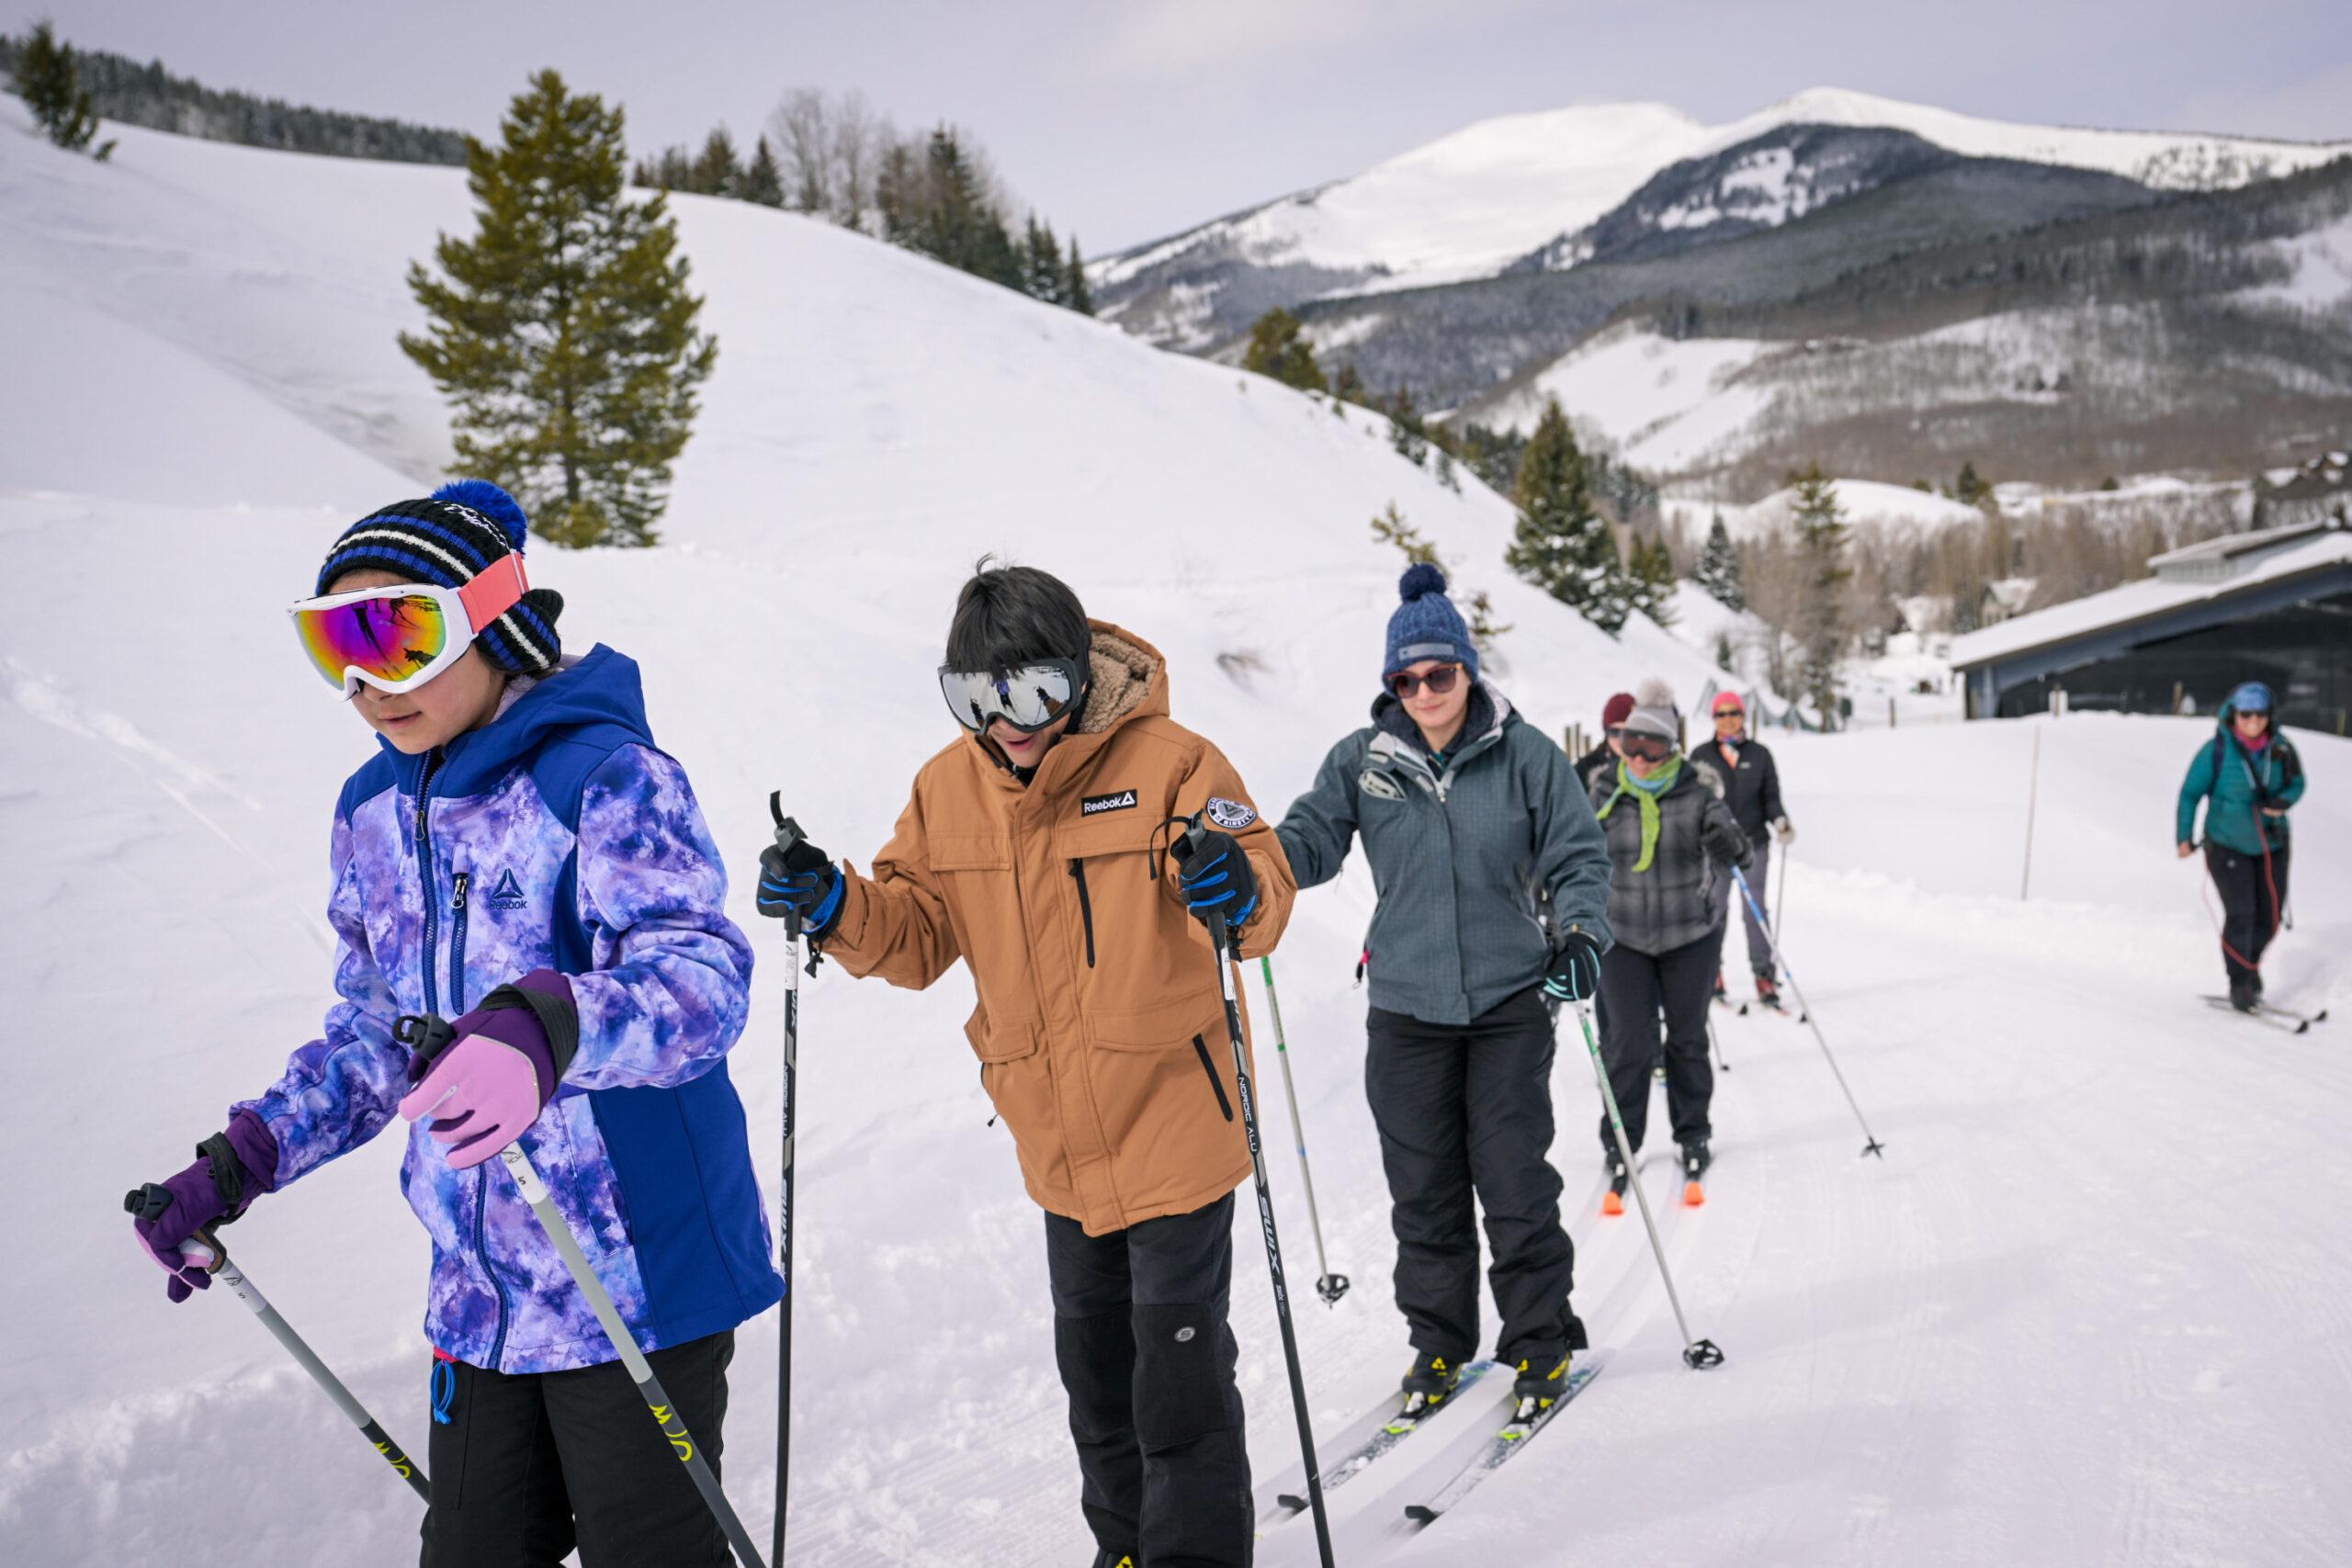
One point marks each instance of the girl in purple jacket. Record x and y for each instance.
(519, 857)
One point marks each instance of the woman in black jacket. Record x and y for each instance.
(1671, 839)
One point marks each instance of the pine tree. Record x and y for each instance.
(1820, 627)
(1650, 579)
(1347, 386)
(1717, 573)
(1970, 488)
(762, 182)
(1042, 275)
(1391, 528)
(1075, 293)
(1279, 348)
(1407, 434)
(716, 172)
(563, 332)
(47, 79)
(1562, 545)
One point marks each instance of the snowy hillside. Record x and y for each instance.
(2088, 1310)
(1470, 204)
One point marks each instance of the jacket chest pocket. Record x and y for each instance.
(1113, 902)
(983, 906)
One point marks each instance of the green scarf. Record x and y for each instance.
(1645, 793)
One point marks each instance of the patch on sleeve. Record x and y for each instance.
(1230, 815)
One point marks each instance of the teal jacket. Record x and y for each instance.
(1476, 856)
(2237, 784)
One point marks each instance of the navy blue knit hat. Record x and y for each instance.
(1427, 625)
(445, 540)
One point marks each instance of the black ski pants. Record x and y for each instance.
(1147, 1357)
(1465, 1109)
(527, 1466)
(2252, 899)
(1636, 986)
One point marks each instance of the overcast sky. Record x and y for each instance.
(1124, 120)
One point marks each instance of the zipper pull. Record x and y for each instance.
(457, 890)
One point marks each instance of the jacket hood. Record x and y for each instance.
(1126, 680)
(603, 690)
(1489, 715)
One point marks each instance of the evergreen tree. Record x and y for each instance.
(1969, 489)
(1075, 293)
(1407, 432)
(1717, 573)
(1043, 274)
(1650, 579)
(1349, 388)
(49, 81)
(563, 332)
(1820, 628)
(716, 172)
(762, 182)
(1561, 544)
(1279, 348)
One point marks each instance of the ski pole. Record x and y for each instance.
(1716, 1040)
(1329, 1286)
(1221, 944)
(204, 1251)
(1870, 1145)
(1780, 907)
(649, 1387)
(1697, 1354)
(787, 833)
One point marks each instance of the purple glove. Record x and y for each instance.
(491, 1082)
(232, 1167)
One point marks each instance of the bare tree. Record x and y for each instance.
(861, 136)
(802, 128)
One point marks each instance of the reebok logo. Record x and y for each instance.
(508, 894)
(1117, 800)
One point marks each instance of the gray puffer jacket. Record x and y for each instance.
(1671, 904)
(1464, 858)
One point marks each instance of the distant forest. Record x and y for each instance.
(122, 90)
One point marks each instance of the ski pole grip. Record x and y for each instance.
(201, 1251)
(788, 836)
(426, 1036)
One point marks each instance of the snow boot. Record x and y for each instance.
(2243, 995)
(1540, 1383)
(1766, 991)
(1106, 1558)
(1695, 1161)
(1614, 1200)
(1431, 1380)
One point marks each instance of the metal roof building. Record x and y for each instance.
(2274, 606)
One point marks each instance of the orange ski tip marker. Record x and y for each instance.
(1693, 1195)
(1611, 1204)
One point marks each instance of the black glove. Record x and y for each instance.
(1725, 841)
(1573, 973)
(800, 879)
(1213, 874)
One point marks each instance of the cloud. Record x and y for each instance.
(2318, 108)
(1163, 36)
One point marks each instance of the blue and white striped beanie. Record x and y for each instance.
(446, 539)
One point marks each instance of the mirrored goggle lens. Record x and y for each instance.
(1028, 698)
(389, 639)
(1648, 748)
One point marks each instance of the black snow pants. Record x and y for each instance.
(1147, 1357)
(2251, 903)
(1466, 1108)
(1636, 986)
(527, 1466)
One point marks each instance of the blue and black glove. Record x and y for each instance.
(800, 879)
(1217, 876)
(1573, 973)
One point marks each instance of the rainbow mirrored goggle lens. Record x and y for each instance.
(398, 637)
(388, 639)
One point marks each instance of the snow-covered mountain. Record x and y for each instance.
(1474, 203)
(203, 388)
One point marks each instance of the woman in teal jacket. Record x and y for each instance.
(2247, 777)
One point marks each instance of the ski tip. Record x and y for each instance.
(1693, 1195)
(1611, 1204)
(1420, 1514)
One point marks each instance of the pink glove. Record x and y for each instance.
(484, 1088)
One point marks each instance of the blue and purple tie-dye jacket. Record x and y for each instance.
(555, 837)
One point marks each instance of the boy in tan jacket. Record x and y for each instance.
(1034, 850)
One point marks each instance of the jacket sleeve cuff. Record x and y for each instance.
(256, 1146)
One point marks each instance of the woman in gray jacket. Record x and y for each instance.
(1493, 885)
(1671, 839)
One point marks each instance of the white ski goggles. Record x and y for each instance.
(397, 638)
(1028, 698)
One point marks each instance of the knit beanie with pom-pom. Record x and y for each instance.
(446, 539)
(1427, 625)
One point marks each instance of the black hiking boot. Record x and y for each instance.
(1541, 1381)
(1431, 1380)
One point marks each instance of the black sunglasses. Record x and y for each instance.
(1439, 681)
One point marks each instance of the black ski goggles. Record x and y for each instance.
(1028, 698)
(1641, 743)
